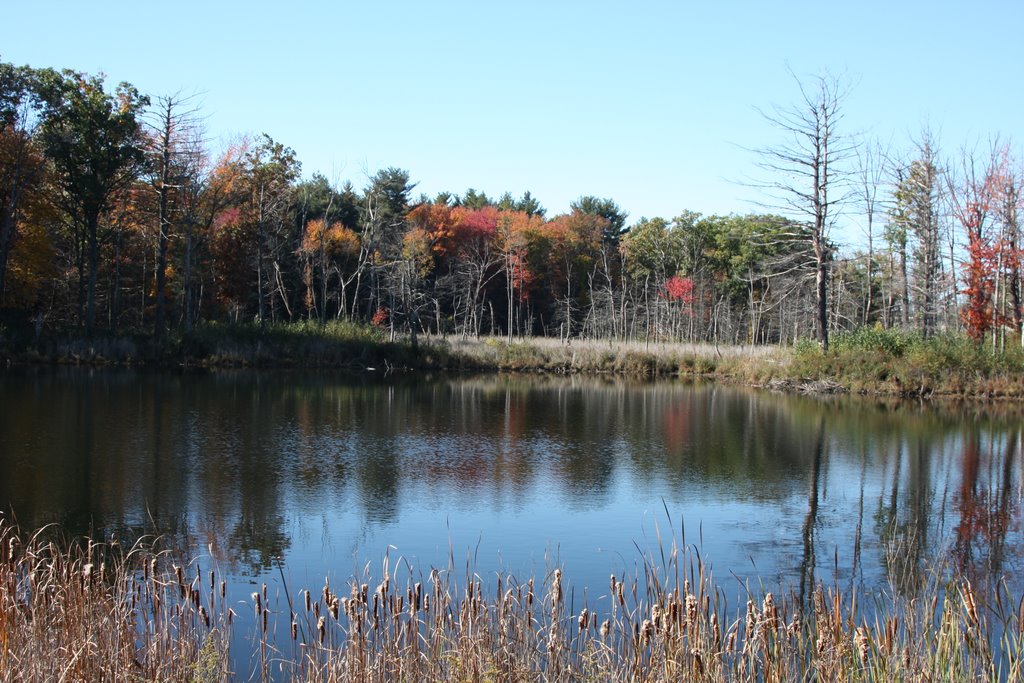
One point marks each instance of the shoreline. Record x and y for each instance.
(869, 363)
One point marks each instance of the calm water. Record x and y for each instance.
(328, 473)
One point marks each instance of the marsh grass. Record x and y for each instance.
(873, 360)
(85, 611)
(629, 358)
(90, 612)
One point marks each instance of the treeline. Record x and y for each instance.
(116, 216)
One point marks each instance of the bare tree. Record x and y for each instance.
(172, 125)
(806, 181)
(870, 176)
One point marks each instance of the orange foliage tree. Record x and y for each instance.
(327, 249)
(571, 242)
(514, 232)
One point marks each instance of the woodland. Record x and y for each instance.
(118, 217)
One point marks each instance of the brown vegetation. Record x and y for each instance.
(88, 612)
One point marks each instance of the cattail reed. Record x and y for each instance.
(648, 629)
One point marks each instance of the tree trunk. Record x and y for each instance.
(93, 263)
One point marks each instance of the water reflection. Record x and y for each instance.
(322, 470)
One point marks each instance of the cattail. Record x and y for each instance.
(860, 640)
(583, 619)
(606, 626)
(647, 631)
(257, 604)
(266, 613)
(716, 631)
(418, 593)
(295, 629)
(751, 618)
(308, 600)
(205, 616)
(11, 545)
(698, 662)
(213, 580)
(770, 613)
(794, 626)
(223, 589)
(691, 609)
(556, 587)
(321, 629)
(968, 597)
(673, 612)
(891, 626)
(87, 574)
(335, 604)
(612, 584)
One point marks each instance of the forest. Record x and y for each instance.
(116, 216)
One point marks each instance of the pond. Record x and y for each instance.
(320, 475)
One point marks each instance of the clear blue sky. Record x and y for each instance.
(649, 103)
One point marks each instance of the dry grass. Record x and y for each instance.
(63, 617)
(632, 358)
(90, 612)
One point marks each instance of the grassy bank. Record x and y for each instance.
(899, 363)
(87, 612)
(347, 345)
(873, 361)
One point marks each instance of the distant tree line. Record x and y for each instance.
(116, 216)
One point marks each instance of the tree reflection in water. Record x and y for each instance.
(317, 468)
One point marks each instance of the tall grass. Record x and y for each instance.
(83, 611)
(904, 363)
(86, 612)
(629, 358)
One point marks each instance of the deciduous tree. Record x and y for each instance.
(806, 173)
(94, 140)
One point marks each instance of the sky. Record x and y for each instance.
(653, 104)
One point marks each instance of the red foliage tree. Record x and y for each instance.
(979, 273)
(679, 289)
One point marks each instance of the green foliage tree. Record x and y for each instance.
(915, 214)
(606, 209)
(94, 141)
(271, 171)
(22, 166)
(475, 200)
